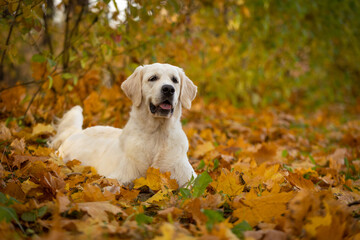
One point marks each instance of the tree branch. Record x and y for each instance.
(7, 43)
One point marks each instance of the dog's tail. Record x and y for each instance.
(68, 125)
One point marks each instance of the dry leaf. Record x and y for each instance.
(265, 208)
(97, 210)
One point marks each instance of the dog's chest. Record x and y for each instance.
(146, 149)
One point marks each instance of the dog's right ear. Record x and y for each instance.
(132, 86)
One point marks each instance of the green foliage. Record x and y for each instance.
(8, 213)
(212, 218)
(200, 184)
(143, 219)
(34, 214)
(240, 228)
(259, 53)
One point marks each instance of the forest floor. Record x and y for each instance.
(270, 173)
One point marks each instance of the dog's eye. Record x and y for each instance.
(174, 79)
(153, 78)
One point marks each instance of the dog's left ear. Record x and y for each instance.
(188, 90)
(132, 86)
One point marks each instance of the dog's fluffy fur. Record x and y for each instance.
(153, 136)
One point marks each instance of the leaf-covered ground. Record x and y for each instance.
(263, 174)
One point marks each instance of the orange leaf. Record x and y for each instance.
(228, 183)
(264, 208)
(299, 181)
(155, 180)
(98, 210)
(203, 149)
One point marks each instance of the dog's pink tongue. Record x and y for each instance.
(165, 106)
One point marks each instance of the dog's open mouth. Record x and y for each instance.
(163, 108)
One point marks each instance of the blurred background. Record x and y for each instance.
(254, 53)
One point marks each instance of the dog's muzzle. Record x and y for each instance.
(165, 108)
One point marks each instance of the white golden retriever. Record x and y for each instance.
(153, 136)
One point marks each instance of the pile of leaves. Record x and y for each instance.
(269, 174)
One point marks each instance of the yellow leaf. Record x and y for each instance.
(228, 183)
(155, 180)
(264, 208)
(318, 221)
(27, 185)
(159, 196)
(203, 149)
(40, 151)
(169, 232)
(40, 129)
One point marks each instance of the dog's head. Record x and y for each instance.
(160, 88)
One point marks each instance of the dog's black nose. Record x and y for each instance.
(168, 90)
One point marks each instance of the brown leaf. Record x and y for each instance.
(19, 159)
(129, 195)
(299, 181)
(98, 210)
(267, 152)
(173, 211)
(193, 206)
(267, 234)
(13, 188)
(5, 133)
(18, 146)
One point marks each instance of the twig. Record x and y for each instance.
(22, 84)
(79, 36)
(37, 91)
(354, 203)
(31, 101)
(7, 43)
(77, 22)
(47, 35)
(65, 51)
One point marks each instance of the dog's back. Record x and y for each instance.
(68, 125)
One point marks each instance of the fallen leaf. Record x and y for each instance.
(169, 232)
(203, 149)
(27, 185)
(228, 183)
(5, 133)
(42, 129)
(300, 182)
(97, 210)
(264, 208)
(18, 145)
(155, 180)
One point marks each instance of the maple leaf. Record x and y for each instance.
(203, 149)
(169, 231)
(193, 206)
(228, 183)
(42, 129)
(5, 133)
(18, 145)
(27, 185)
(300, 182)
(155, 180)
(97, 210)
(263, 208)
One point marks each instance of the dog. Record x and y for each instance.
(152, 137)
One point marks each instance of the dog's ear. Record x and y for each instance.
(132, 86)
(188, 90)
